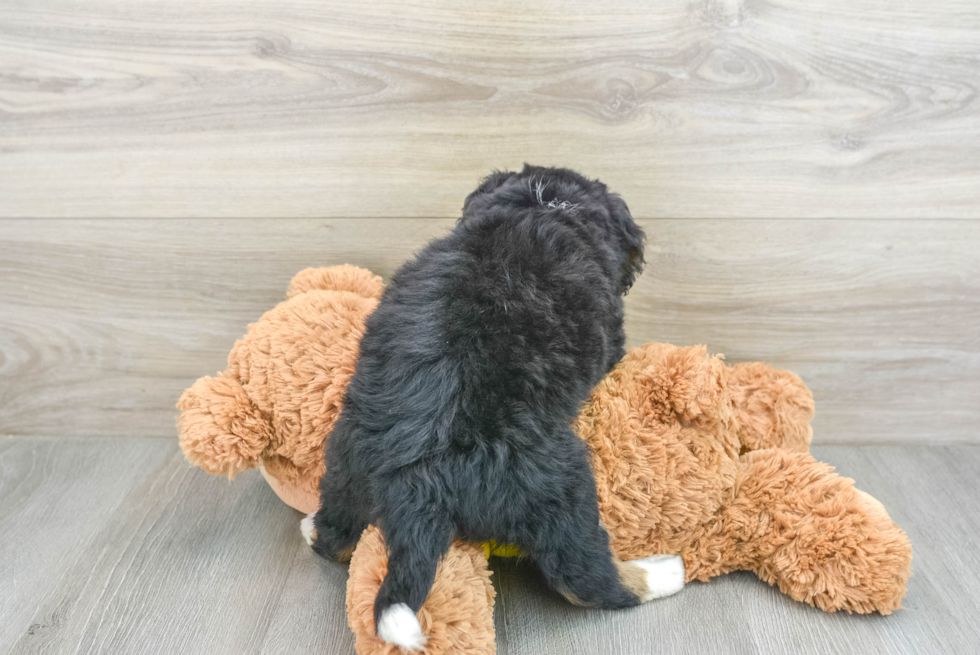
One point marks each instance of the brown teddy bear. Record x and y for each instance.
(691, 457)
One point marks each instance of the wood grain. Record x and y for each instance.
(56, 500)
(311, 616)
(104, 323)
(178, 562)
(710, 108)
(118, 546)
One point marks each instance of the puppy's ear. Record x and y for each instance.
(487, 184)
(631, 239)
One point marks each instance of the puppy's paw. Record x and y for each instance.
(308, 529)
(665, 575)
(399, 626)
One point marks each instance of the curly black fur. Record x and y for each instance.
(457, 419)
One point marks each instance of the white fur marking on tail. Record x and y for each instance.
(307, 528)
(399, 626)
(665, 575)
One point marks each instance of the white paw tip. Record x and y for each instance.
(308, 529)
(399, 626)
(665, 575)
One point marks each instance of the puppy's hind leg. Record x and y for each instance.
(333, 530)
(579, 565)
(572, 550)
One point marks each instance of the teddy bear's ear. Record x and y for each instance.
(220, 429)
(773, 408)
(685, 382)
(337, 278)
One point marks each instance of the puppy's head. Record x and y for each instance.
(566, 195)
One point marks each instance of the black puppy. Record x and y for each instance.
(457, 420)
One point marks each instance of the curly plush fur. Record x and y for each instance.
(277, 398)
(688, 460)
(457, 421)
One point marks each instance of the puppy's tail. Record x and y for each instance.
(399, 626)
(415, 543)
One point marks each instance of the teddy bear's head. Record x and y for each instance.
(284, 386)
(664, 442)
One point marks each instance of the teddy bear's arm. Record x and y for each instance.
(773, 408)
(220, 429)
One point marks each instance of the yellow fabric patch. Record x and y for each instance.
(492, 548)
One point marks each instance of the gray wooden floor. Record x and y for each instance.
(116, 545)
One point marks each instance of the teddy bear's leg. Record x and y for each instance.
(457, 615)
(220, 429)
(773, 408)
(800, 526)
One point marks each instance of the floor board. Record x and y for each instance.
(173, 564)
(119, 546)
(57, 501)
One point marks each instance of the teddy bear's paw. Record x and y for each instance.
(308, 529)
(399, 626)
(665, 575)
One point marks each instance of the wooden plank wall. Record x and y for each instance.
(105, 322)
(808, 173)
(717, 108)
